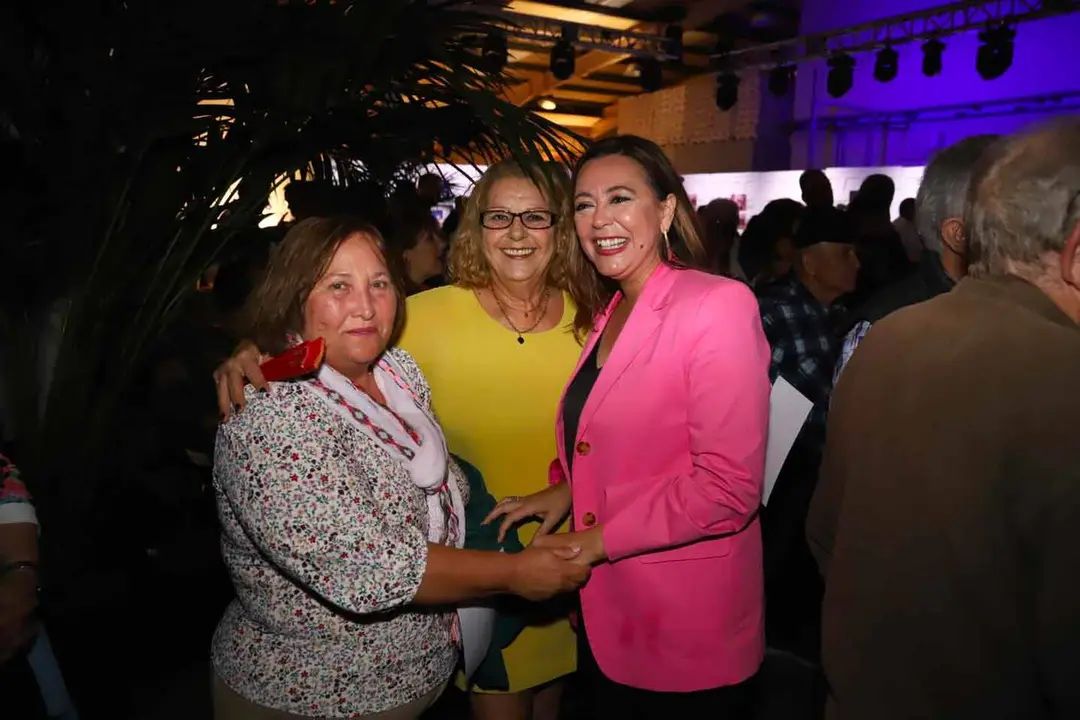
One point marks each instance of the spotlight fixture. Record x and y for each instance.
(841, 75)
(562, 60)
(780, 78)
(563, 53)
(727, 90)
(931, 61)
(547, 104)
(495, 52)
(651, 75)
(995, 54)
(886, 65)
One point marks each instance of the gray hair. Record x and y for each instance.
(1025, 200)
(943, 191)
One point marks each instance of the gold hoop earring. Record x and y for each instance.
(667, 245)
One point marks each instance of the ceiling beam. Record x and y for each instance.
(596, 16)
(606, 125)
(537, 84)
(576, 122)
(565, 93)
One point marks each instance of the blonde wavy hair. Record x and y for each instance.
(569, 271)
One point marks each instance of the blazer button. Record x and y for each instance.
(588, 519)
(583, 448)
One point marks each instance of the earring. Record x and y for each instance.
(667, 246)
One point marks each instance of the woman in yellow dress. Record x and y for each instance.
(497, 347)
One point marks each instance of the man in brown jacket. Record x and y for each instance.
(947, 518)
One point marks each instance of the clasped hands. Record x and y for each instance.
(581, 550)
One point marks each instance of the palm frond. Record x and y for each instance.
(133, 121)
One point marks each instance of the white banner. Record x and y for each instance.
(750, 191)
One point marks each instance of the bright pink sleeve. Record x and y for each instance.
(728, 417)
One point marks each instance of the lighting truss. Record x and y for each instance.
(546, 32)
(1059, 103)
(938, 22)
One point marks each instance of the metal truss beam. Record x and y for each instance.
(939, 22)
(1048, 104)
(546, 32)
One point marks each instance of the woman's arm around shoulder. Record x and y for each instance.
(727, 375)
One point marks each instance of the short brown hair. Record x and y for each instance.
(684, 235)
(276, 307)
(570, 271)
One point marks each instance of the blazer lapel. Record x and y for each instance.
(643, 323)
(590, 343)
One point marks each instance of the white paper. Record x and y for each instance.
(477, 629)
(788, 410)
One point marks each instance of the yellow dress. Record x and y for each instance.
(496, 400)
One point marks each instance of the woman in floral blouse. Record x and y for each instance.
(342, 514)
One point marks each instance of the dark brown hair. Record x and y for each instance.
(684, 235)
(410, 220)
(276, 307)
(570, 271)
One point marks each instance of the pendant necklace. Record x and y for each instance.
(540, 316)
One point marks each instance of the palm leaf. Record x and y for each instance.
(134, 119)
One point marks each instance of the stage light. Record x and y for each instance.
(727, 90)
(841, 75)
(931, 61)
(886, 65)
(995, 54)
(780, 80)
(562, 60)
(547, 104)
(495, 52)
(652, 75)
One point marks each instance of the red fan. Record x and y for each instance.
(295, 362)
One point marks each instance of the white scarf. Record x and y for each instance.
(427, 460)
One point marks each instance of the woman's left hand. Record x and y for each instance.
(591, 543)
(550, 505)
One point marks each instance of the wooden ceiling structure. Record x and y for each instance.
(587, 102)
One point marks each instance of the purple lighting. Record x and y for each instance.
(1041, 68)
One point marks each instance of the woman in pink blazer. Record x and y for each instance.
(662, 434)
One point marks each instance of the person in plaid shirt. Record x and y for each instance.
(799, 315)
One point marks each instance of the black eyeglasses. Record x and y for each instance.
(502, 219)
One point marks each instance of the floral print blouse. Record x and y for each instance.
(325, 538)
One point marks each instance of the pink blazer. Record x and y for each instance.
(669, 458)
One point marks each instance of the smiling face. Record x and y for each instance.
(352, 307)
(619, 219)
(517, 254)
